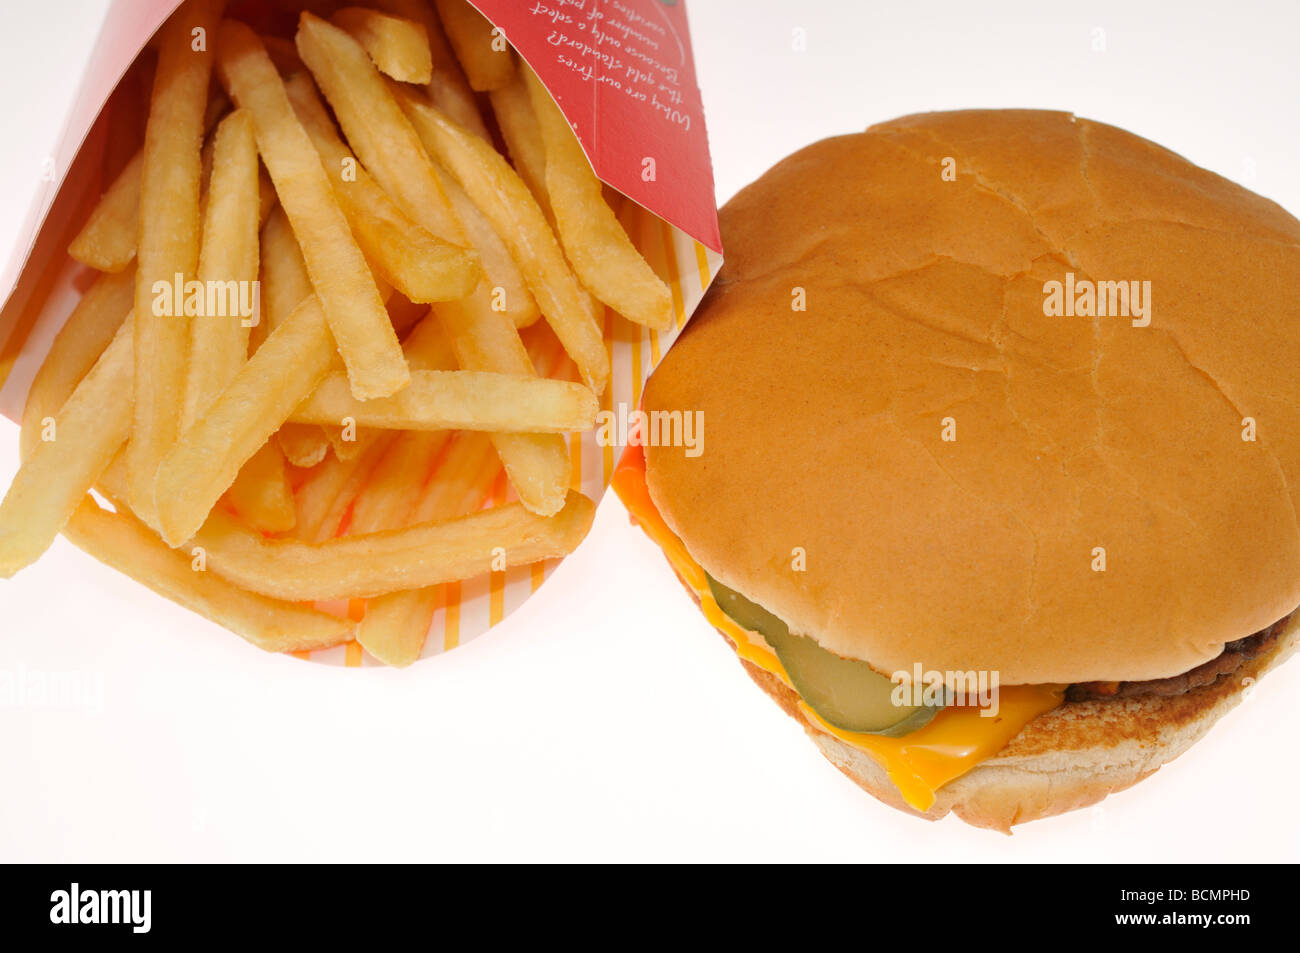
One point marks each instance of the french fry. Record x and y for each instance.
(452, 94)
(420, 266)
(339, 275)
(395, 625)
(285, 285)
(547, 353)
(266, 197)
(510, 294)
(448, 88)
(458, 400)
(303, 445)
(375, 127)
(602, 254)
(376, 563)
(168, 246)
(506, 201)
(344, 440)
(464, 479)
(392, 491)
(398, 47)
(229, 259)
(124, 543)
(532, 463)
(481, 49)
(537, 464)
(88, 431)
(84, 336)
(323, 500)
(274, 220)
(426, 349)
(112, 482)
(513, 108)
(107, 242)
(261, 494)
(426, 346)
(285, 282)
(295, 357)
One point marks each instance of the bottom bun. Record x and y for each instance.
(1065, 759)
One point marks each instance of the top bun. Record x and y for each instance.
(922, 248)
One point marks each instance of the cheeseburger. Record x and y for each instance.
(999, 490)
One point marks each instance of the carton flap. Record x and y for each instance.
(629, 63)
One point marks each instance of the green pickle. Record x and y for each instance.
(847, 693)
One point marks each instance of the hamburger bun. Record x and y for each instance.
(1070, 758)
(1118, 498)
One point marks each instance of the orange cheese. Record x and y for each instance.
(919, 763)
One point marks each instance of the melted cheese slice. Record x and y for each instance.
(919, 763)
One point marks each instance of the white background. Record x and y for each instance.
(606, 720)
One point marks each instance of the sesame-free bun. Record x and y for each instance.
(921, 248)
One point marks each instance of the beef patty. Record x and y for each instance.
(1234, 655)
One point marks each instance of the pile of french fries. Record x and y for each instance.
(428, 322)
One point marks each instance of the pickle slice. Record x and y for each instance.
(847, 693)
